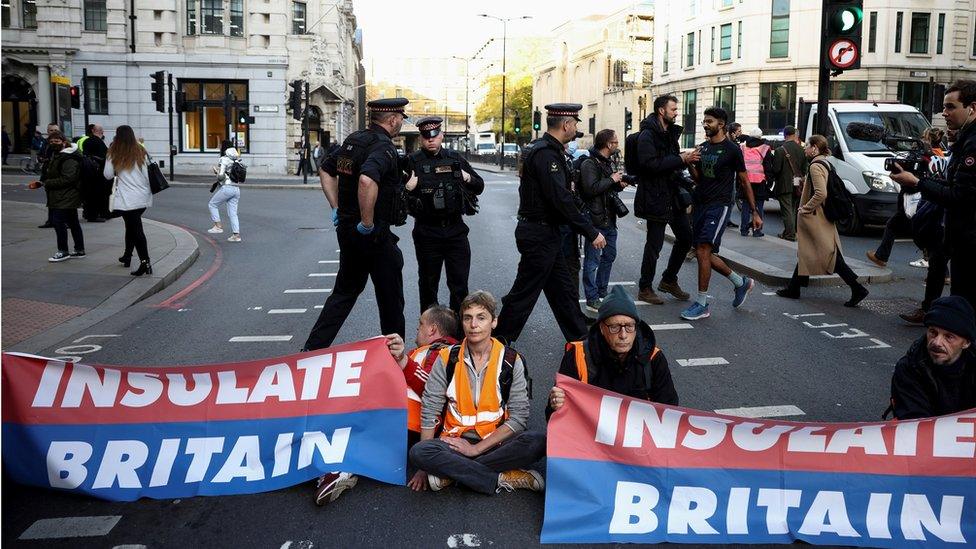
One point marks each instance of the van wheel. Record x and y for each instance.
(853, 226)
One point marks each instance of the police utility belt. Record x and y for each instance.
(440, 198)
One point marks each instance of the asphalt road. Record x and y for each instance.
(774, 356)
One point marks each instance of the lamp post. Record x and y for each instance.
(504, 20)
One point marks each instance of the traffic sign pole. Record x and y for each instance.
(823, 82)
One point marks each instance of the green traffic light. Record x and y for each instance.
(847, 19)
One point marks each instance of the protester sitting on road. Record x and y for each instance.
(227, 192)
(758, 159)
(60, 178)
(619, 354)
(818, 243)
(478, 393)
(126, 161)
(938, 374)
(433, 334)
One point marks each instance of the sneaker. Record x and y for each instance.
(593, 305)
(697, 311)
(876, 260)
(520, 479)
(234, 238)
(921, 263)
(59, 257)
(647, 295)
(437, 483)
(915, 317)
(742, 292)
(215, 230)
(78, 254)
(675, 290)
(330, 486)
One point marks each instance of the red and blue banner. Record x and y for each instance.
(622, 470)
(123, 433)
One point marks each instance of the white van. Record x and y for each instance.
(861, 163)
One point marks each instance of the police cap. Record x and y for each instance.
(564, 109)
(390, 104)
(430, 126)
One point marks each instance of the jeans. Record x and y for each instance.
(746, 220)
(229, 194)
(479, 473)
(681, 226)
(597, 265)
(135, 236)
(64, 219)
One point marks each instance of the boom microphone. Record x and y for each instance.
(866, 132)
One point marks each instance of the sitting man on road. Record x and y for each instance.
(434, 331)
(619, 354)
(938, 375)
(478, 394)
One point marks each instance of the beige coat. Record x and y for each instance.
(817, 241)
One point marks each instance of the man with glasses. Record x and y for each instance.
(619, 354)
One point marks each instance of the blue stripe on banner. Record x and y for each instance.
(606, 502)
(125, 462)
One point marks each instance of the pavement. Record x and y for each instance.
(45, 303)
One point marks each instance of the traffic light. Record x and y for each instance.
(180, 101)
(536, 120)
(243, 118)
(295, 99)
(159, 90)
(844, 19)
(75, 97)
(628, 119)
(518, 125)
(593, 125)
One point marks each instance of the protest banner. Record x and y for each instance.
(626, 470)
(122, 433)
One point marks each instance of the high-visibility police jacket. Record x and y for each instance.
(753, 157)
(461, 414)
(416, 372)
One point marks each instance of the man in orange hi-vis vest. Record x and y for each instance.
(478, 395)
(435, 331)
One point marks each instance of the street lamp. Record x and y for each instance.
(504, 20)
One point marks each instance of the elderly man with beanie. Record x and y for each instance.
(938, 375)
(619, 354)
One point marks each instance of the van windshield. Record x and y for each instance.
(486, 147)
(910, 124)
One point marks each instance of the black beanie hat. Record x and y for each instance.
(617, 303)
(951, 313)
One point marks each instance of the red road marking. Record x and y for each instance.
(175, 301)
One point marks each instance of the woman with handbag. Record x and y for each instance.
(127, 161)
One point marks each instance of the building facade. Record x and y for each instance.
(758, 58)
(229, 58)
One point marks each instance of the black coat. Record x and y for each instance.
(658, 164)
(921, 389)
(957, 194)
(595, 188)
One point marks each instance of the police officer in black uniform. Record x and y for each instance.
(442, 187)
(362, 182)
(545, 202)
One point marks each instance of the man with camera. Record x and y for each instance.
(599, 184)
(957, 194)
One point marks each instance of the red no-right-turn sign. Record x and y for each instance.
(843, 53)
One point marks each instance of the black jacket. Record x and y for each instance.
(595, 188)
(957, 194)
(658, 164)
(544, 194)
(921, 389)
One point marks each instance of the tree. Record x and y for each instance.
(518, 100)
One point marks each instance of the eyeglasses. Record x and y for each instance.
(615, 328)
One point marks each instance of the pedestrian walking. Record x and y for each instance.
(60, 179)
(818, 243)
(227, 192)
(653, 155)
(36, 144)
(5, 144)
(758, 161)
(95, 189)
(126, 163)
(789, 168)
(545, 203)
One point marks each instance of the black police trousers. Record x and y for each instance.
(375, 257)
(681, 226)
(542, 268)
(442, 247)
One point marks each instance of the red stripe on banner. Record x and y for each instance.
(352, 377)
(603, 426)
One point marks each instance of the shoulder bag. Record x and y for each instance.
(157, 181)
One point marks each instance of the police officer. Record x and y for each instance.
(362, 182)
(545, 202)
(442, 187)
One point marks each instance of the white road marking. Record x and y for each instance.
(769, 293)
(878, 344)
(713, 361)
(80, 339)
(258, 339)
(794, 317)
(464, 540)
(71, 527)
(659, 327)
(320, 306)
(286, 311)
(130, 546)
(309, 291)
(622, 284)
(762, 411)
(321, 274)
(325, 261)
(854, 332)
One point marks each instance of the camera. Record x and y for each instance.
(629, 179)
(618, 204)
(912, 164)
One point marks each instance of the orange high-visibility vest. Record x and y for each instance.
(754, 159)
(461, 415)
(579, 353)
(420, 355)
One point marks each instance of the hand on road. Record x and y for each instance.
(600, 242)
(461, 446)
(557, 398)
(691, 157)
(903, 178)
(418, 482)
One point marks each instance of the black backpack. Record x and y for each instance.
(837, 206)
(630, 153)
(237, 172)
(91, 170)
(505, 376)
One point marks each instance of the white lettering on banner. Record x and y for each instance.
(227, 390)
(346, 373)
(828, 513)
(803, 440)
(663, 429)
(282, 454)
(917, 513)
(690, 508)
(330, 451)
(714, 432)
(164, 462)
(276, 381)
(948, 431)
(634, 500)
(66, 463)
(202, 450)
(102, 392)
(737, 516)
(906, 438)
(313, 374)
(180, 396)
(47, 389)
(778, 504)
(755, 437)
(244, 461)
(120, 461)
(606, 427)
(149, 385)
(877, 521)
(868, 437)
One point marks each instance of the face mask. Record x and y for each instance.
(55, 148)
(572, 147)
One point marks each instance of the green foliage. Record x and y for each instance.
(518, 100)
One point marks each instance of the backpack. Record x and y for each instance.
(837, 207)
(505, 376)
(91, 170)
(577, 166)
(237, 171)
(630, 153)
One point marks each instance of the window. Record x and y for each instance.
(206, 116)
(726, 3)
(919, 40)
(849, 90)
(725, 43)
(191, 17)
(915, 94)
(5, 8)
(298, 18)
(725, 98)
(940, 34)
(665, 63)
(738, 44)
(96, 94)
(212, 17)
(779, 37)
(898, 24)
(713, 45)
(237, 17)
(95, 15)
(777, 106)
(689, 107)
(872, 31)
(690, 50)
(30, 14)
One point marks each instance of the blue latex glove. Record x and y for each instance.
(335, 218)
(364, 230)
